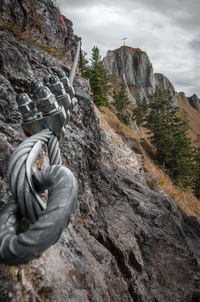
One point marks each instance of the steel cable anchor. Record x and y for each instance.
(44, 124)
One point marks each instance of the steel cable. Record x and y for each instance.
(19, 175)
(48, 220)
(22, 248)
(75, 63)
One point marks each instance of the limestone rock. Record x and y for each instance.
(182, 97)
(163, 83)
(194, 101)
(38, 18)
(133, 65)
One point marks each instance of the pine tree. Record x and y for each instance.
(197, 180)
(169, 136)
(98, 79)
(140, 110)
(84, 65)
(121, 101)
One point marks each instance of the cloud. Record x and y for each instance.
(167, 30)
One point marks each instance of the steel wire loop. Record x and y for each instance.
(47, 220)
(55, 101)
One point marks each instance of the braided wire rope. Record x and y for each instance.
(48, 220)
(19, 172)
(74, 66)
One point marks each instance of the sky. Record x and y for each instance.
(167, 30)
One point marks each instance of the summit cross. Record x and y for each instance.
(124, 40)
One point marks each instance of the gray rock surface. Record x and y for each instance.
(37, 17)
(134, 65)
(182, 97)
(194, 101)
(126, 242)
(163, 83)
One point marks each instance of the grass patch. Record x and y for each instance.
(185, 199)
(25, 37)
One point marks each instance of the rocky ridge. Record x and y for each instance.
(126, 242)
(163, 83)
(194, 101)
(133, 65)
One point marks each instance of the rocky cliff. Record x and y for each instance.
(163, 83)
(134, 66)
(194, 101)
(125, 242)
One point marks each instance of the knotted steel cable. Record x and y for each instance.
(47, 219)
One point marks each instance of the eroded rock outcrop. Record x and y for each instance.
(182, 97)
(163, 83)
(135, 66)
(126, 242)
(194, 101)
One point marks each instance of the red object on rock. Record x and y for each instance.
(62, 22)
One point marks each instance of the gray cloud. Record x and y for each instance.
(195, 43)
(167, 30)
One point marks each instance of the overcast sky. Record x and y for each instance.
(167, 30)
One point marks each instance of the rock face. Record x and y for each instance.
(39, 18)
(134, 65)
(194, 101)
(182, 97)
(163, 83)
(126, 242)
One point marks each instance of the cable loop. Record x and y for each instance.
(47, 219)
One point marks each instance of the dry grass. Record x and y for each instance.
(121, 129)
(25, 37)
(193, 117)
(185, 200)
(131, 50)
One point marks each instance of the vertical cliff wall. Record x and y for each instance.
(137, 69)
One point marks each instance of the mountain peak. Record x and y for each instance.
(133, 65)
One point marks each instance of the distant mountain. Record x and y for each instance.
(194, 101)
(133, 65)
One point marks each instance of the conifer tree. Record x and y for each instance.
(121, 101)
(197, 180)
(120, 96)
(85, 68)
(169, 136)
(140, 110)
(99, 81)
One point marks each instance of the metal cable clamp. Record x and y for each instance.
(43, 123)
